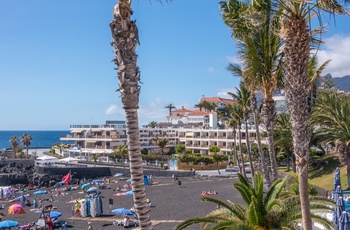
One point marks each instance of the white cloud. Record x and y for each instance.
(223, 93)
(336, 48)
(113, 109)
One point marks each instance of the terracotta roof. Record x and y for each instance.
(217, 99)
(183, 110)
(197, 112)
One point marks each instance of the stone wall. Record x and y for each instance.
(16, 171)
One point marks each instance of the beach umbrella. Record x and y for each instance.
(336, 178)
(344, 221)
(20, 197)
(338, 210)
(98, 181)
(128, 180)
(55, 214)
(85, 185)
(61, 183)
(8, 224)
(123, 211)
(16, 209)
(118, 174)
(92, 189)
(40, 192)
(337, 193)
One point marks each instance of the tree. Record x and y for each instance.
(161, 142)
(60, 146)
(233, 124)
(125, 39)
(274, 209)
(153, 124)
(283, 137)
(26, 141)
(254, 26)
(297, 45)
(242, 96)
(215, 149)
(237, 115)
(170, 107)
(14, 142)
(199, 105)
(122, 150)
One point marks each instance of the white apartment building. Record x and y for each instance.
(104, 138)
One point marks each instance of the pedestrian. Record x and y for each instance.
(90, 226)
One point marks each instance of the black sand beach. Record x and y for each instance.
(170, 203)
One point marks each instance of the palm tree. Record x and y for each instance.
(331, 114)
(297, 45)
(233, 124)
(153, 124)
(243, 100)
(125, 39)
(26, 141)
(237, 115)
(14, 142)
(161, 142)
(122, 150)
(215, 149)
(199, 105)
(273, 209)
(170, 107)
(60, 146)
(283, 137)
(254, 26)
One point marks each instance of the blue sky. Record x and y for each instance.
(56, 67)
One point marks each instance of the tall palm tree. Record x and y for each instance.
(233, 125)
(26, 141)
(14, 142)
(236, 70)
(254, 26)
(237, 115)
(242, 96)
(125, 39)
(297, 45)
(161, 142)
(274, 209)
(170, 107)
(122, 150)
(199, 105)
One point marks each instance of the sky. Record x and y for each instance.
(56, 69)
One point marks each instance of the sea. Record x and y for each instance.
(40, 138)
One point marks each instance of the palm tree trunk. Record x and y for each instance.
(269, 112)
(27, 151)
(125, 40)
(248, 145)
(262, 162)
(235, 151)
(297, 85)
(240, 150)
(163, 159)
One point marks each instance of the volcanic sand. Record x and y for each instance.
(170, 203)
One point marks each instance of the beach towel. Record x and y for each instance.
(93, 207)
(98, 206)
(83, 208)
(88, 207)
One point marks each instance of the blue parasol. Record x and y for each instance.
(40, 192)
(344, 221)
(128, 180)
(85, 185)
(92, 189)
(337, 193)
(98, 181)
(337, 178)
(123, 211)
(129, 193)
(8, 224)
(55, 214)
(118, 174)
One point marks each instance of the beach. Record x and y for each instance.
(170, 203)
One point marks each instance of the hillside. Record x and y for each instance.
(342, 83)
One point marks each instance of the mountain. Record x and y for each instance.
(342, 83)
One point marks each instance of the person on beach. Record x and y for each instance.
(90, 226)
(77, 207)
(2, 193)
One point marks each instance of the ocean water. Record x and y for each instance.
(39, 138)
